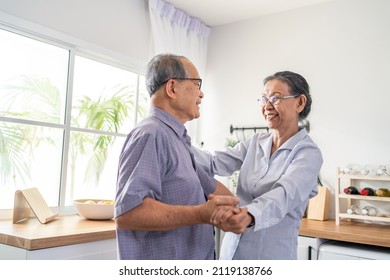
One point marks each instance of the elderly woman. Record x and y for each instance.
(278, 174)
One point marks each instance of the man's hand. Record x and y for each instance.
(207, 209)
(237, 222)
(222, 213)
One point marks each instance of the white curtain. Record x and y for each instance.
(174, 31)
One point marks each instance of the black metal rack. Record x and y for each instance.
(232, 129)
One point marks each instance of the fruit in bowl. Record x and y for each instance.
(95, 209)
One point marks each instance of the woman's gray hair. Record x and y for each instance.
(297, 86)
(163, 67)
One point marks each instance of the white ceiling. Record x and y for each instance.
(218, 12)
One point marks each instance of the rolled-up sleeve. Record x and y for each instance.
(138, 173)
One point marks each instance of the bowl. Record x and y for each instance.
(95, 209)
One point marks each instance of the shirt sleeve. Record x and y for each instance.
(222, 163)
(137, 178)
(291, 190)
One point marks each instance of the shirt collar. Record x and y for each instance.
(169, 120)
(289, 144)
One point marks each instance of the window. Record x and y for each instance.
(63, 120)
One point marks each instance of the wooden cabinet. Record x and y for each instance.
(345, 180)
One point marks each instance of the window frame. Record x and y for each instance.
(79, 48)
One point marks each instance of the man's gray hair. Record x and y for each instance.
(163, 67)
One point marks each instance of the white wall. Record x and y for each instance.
(340, 47)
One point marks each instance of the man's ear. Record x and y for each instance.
(301, 103)
(170, 88)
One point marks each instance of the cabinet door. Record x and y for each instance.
(307, 248)
(12, 253)
(98, 250)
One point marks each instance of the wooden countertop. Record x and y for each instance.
(65, 230)
(363, 233)
(72, 229)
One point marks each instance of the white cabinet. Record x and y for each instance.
(346, 180)
(308, 247)
(336, 250)
(311, 248)
(97, 250)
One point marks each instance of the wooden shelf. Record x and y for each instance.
(363, 217)
(364, 177)
(364, 197)
(350, 180)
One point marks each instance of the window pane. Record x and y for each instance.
(30, 156)
(33, 92)
(92, 166)
(103, 96)
(33, 77)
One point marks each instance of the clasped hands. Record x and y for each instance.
(225, 214)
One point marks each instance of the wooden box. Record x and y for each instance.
(318, 208)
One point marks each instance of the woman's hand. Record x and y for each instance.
(222, 213)
(215, 202)
(238, 222)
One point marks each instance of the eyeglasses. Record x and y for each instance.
(189, 79)
(274, 99)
